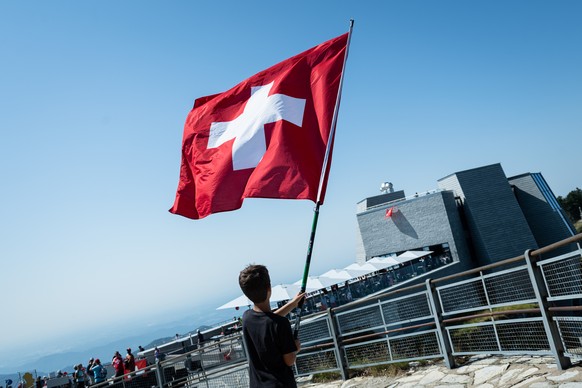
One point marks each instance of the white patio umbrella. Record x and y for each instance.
(411, 255)
(343, 274)
(317, 282)
(284, 292)
(241, 301)
(367, 267)
(384, 261)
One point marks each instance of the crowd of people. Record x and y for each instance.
(93, 373)
(363, 286)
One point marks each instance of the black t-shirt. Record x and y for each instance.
(268, 336)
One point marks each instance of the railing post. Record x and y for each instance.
(159, 375)
(536, 277)
(441, 332)
(201, 351)
(337, 343)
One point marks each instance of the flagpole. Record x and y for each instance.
(324, 172)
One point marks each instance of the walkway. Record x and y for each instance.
(479, 371)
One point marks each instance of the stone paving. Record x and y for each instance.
(479, 372)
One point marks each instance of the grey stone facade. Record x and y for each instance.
(497, 225)
(483, 216)
(544, 215)
(427, 220)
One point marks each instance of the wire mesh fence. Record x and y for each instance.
(523, 336)
(316, 330)
(391, 329)
(143, 378)
(509, 287)
(503, 288)
(220, 363)
(563, 276)
(410, 308)
(360, 319)
(421, 345)
(233, 377)
(571, 334)
(415, 346)
(367, 353)
(464, 296)
(473, 338)
(317, 362)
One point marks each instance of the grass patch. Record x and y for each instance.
(326, 377)
(390, 370)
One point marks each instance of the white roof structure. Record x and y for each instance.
(317, 282)
(332, 277)
(343, 274)
(385, 261)
(367, 267)
(411, 255)
(241, 301)
(282, 292)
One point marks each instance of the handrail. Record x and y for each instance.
(565, 308)
(318, 346)
(388, 332)
(491, 314)
(369, 299)
(559, 244)
(536, 252)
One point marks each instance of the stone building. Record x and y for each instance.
(475, 217)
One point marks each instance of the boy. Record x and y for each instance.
(268, 335)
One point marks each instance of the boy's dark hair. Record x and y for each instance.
(254, 281)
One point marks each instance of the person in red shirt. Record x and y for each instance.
(117, 363)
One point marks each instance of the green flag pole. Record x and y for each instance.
(322, 179)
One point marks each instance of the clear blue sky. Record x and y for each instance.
(93, 99)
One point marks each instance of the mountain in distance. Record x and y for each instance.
(66, 360)
(163, 340)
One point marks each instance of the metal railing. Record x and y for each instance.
(523, 305)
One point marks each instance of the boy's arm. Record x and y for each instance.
(286, 309)
(289, 358)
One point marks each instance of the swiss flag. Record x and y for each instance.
(391, 211)
(264, 138)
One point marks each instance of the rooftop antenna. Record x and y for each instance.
(386, 187)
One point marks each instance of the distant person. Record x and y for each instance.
(158, 355)
(88, 369)
(129, 362)
(272, 349)
(99, 372)
(117, 363)
(79, 376)
(39, 383)
(140, 348)
(200, 337)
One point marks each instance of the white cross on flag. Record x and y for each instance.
(264, 138)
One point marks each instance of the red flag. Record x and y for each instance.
(264, 138)
(391, 211)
